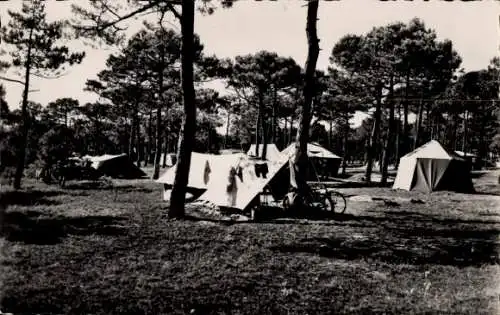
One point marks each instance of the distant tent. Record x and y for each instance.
(470, 158)
(230, 151)
(323, 162)
(204, 167)
(237, 184)
(116, 166)
(465, 154)
(171, 158)
(430, 168)
(272, 153)
(377, 167)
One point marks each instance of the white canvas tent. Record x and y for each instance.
(314, 150)
(203, 169)
(324, 161)
(272, 153)
(431, 167)
(238, 184)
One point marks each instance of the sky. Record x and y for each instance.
(279, 26)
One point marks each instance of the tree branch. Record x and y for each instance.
(49, 77)
(105, 6)
(242, 95)
(174, 11)
(122, 18)
(11, 80)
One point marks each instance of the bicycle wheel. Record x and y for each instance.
(291, 201)
(326, 203)
(339, 202)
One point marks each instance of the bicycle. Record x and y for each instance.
(318, 199)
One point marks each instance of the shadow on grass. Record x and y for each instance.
(409, 238)
(361, 184)
(99, 185)
(29, 197)
(269, 214)
(31, 227)
(488, 190)
(88, 185)
(478, 174)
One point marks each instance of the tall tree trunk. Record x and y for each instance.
(138, 142)
(132, 136)
(365, 152)
(285, 131)
(301, 158)
(433, 126)
(21, 150)
(428, 120)
(228, 124)
(149, 147)
(263, 125)
(418, 131)
(330, 134)
(264, 139)
(465, 135)
(187, 134)
(482, 150)
(373, 140)
(158, 142)
(257, 131)
(290, 132)
(454, 133)
(274, 118)
(165, 149)
(388, 139)
(344, 145)
(406, 129)
(398, 138)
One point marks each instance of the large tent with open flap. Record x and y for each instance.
(204, 169)
(116, 166)
(241, 181)
(324, 163)
(431, 167)
(272, 152)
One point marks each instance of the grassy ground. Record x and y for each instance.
(111, 250)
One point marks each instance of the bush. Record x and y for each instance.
(7, 175)
(56, 145)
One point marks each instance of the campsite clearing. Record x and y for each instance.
(111, 250)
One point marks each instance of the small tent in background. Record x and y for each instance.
(470, 158)
(170, 159)
(272, 153)
(230, 151)
(324, 163)
(116, 166)
(204, 168)
(431, 167)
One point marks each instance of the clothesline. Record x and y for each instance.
(444, 99)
